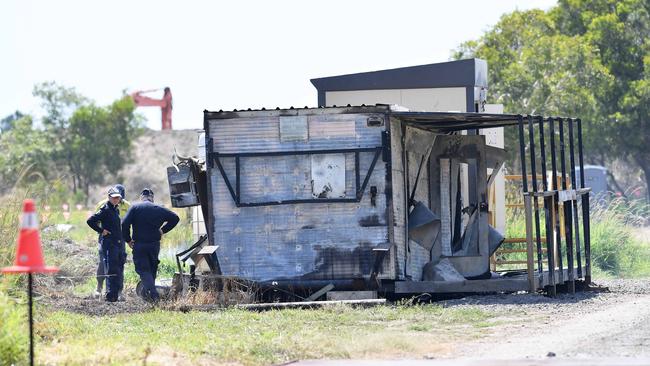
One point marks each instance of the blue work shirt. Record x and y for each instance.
(147, 219)
(109, 217)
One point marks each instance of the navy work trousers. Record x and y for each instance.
(114, 256)
(101, 270)
(145, 259)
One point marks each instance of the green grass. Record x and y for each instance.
(253, 338)
(13, 331)
(615, 250)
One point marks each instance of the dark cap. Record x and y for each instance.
(147, 192)
(120, 188)
(114, 192)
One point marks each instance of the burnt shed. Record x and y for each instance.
(325, 193)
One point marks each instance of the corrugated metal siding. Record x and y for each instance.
(262, 134)
(308, 240)
(399, 200)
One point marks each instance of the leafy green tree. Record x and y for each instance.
(100, 140)
(27, 153)
(59, 103)
(581, 58)
(7, 123)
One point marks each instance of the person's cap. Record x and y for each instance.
(120, 188)
(147, 192)
(114, 192)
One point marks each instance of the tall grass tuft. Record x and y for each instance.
(13, 331)
(614, 248)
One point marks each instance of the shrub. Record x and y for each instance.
(614, 249)
(13, 332)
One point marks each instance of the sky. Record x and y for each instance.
(224, 54)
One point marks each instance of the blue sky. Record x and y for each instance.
(224, 55)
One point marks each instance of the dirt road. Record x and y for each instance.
(587, 325)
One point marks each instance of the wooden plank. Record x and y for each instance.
(320, 293)
(307, 304)
(529, 244)
(511, 262)
(514, 205)
(491, 285)
(518, 177)
(506, 251)
(351, 295)
(519, 240)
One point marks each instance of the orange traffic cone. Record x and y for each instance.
(29, 255)
(29, 259)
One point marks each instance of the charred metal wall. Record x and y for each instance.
(410, 257)
(332, 240)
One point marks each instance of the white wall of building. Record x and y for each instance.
(425, 99)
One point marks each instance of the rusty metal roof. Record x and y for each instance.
(456, 120)
(448, 121)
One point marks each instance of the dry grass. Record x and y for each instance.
(221, 292)
(238, 336)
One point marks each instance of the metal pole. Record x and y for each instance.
(574, 203)
(568, 229)
(522, 154)
(31, 319)
(548, 204)
(556, 201)
(585, 209)
(524, 186)
(533, 172)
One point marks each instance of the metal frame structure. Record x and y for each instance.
(555, 273)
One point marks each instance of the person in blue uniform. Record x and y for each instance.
(106, 222)
(123, 206)
(149, 222)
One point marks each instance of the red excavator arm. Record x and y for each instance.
(165, 105)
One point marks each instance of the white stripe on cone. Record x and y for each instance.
(29, 221)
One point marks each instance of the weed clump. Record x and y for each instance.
(13, 332)
(614, 248)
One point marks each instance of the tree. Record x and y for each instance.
(581, 58)
(87, 141)
(100, 140)
(59, 103)
(7, 123)
(26, 152)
